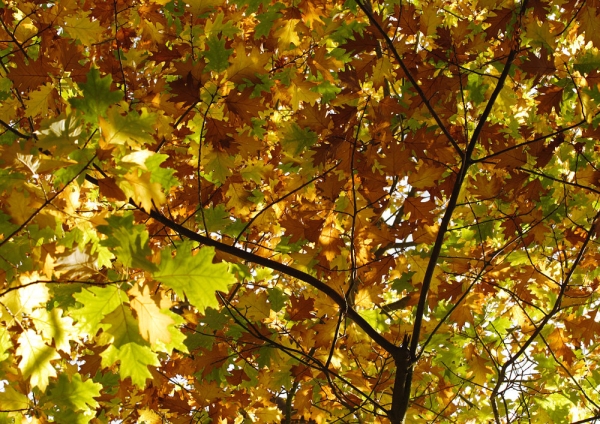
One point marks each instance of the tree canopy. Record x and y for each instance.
(299, 211)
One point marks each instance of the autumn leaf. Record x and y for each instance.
(36, 357)
(195, 276)
(97, 96)
(268, 211)
(153, 323)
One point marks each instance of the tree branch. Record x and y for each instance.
(285, 269)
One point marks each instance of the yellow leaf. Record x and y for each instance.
(245, 67)
(36, 357)
(53, 326)
(479, 368)
(32, 295)
(426, 176)
(287, 34)
(39, 101)
(138, 186)
(152, 322)
(300, 92)
(9, 109)
(148, 416)
(18, 207)
(82, 28)
(431, 19)
(268, 415)
(382, 69)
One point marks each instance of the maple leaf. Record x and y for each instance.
(194, 277)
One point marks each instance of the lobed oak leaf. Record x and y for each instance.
(40, 100)
(199, 7)
(96, 303)
(217, 55)
(133, 129)
(83, 28)
(300, 91)
(559, 341)
(588, 19)
(243, 106)
(29, 76)
(139, 187)
(134, 361)
(485, 188)
(426, 176)
(537, 67)
(218, 165)
(194, 277)
(479, 369)
(153, 324)
(13, 400)
(499, 21)
(300, 308)
(76, 393)
(18, 207)
(54, 325)
(36, 359)
(420, 209)
(430, 19)
(109, 188)
(244, 67)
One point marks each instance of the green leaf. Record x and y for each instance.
(97, 96)
(36, 357)
(556, 405)
(164, 176)
(97, 302)
(134, 359)
(194, 276)
(277, 298)
(64, 175)
(588, 63)
(75, 394)
(296, 139)
(376, 319)
(13, 400)
(133, 129)
(216, 218)
(128, 242)
(267, 20)
(119, 328)
(217, 55)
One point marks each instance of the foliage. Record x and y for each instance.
(299, 211)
